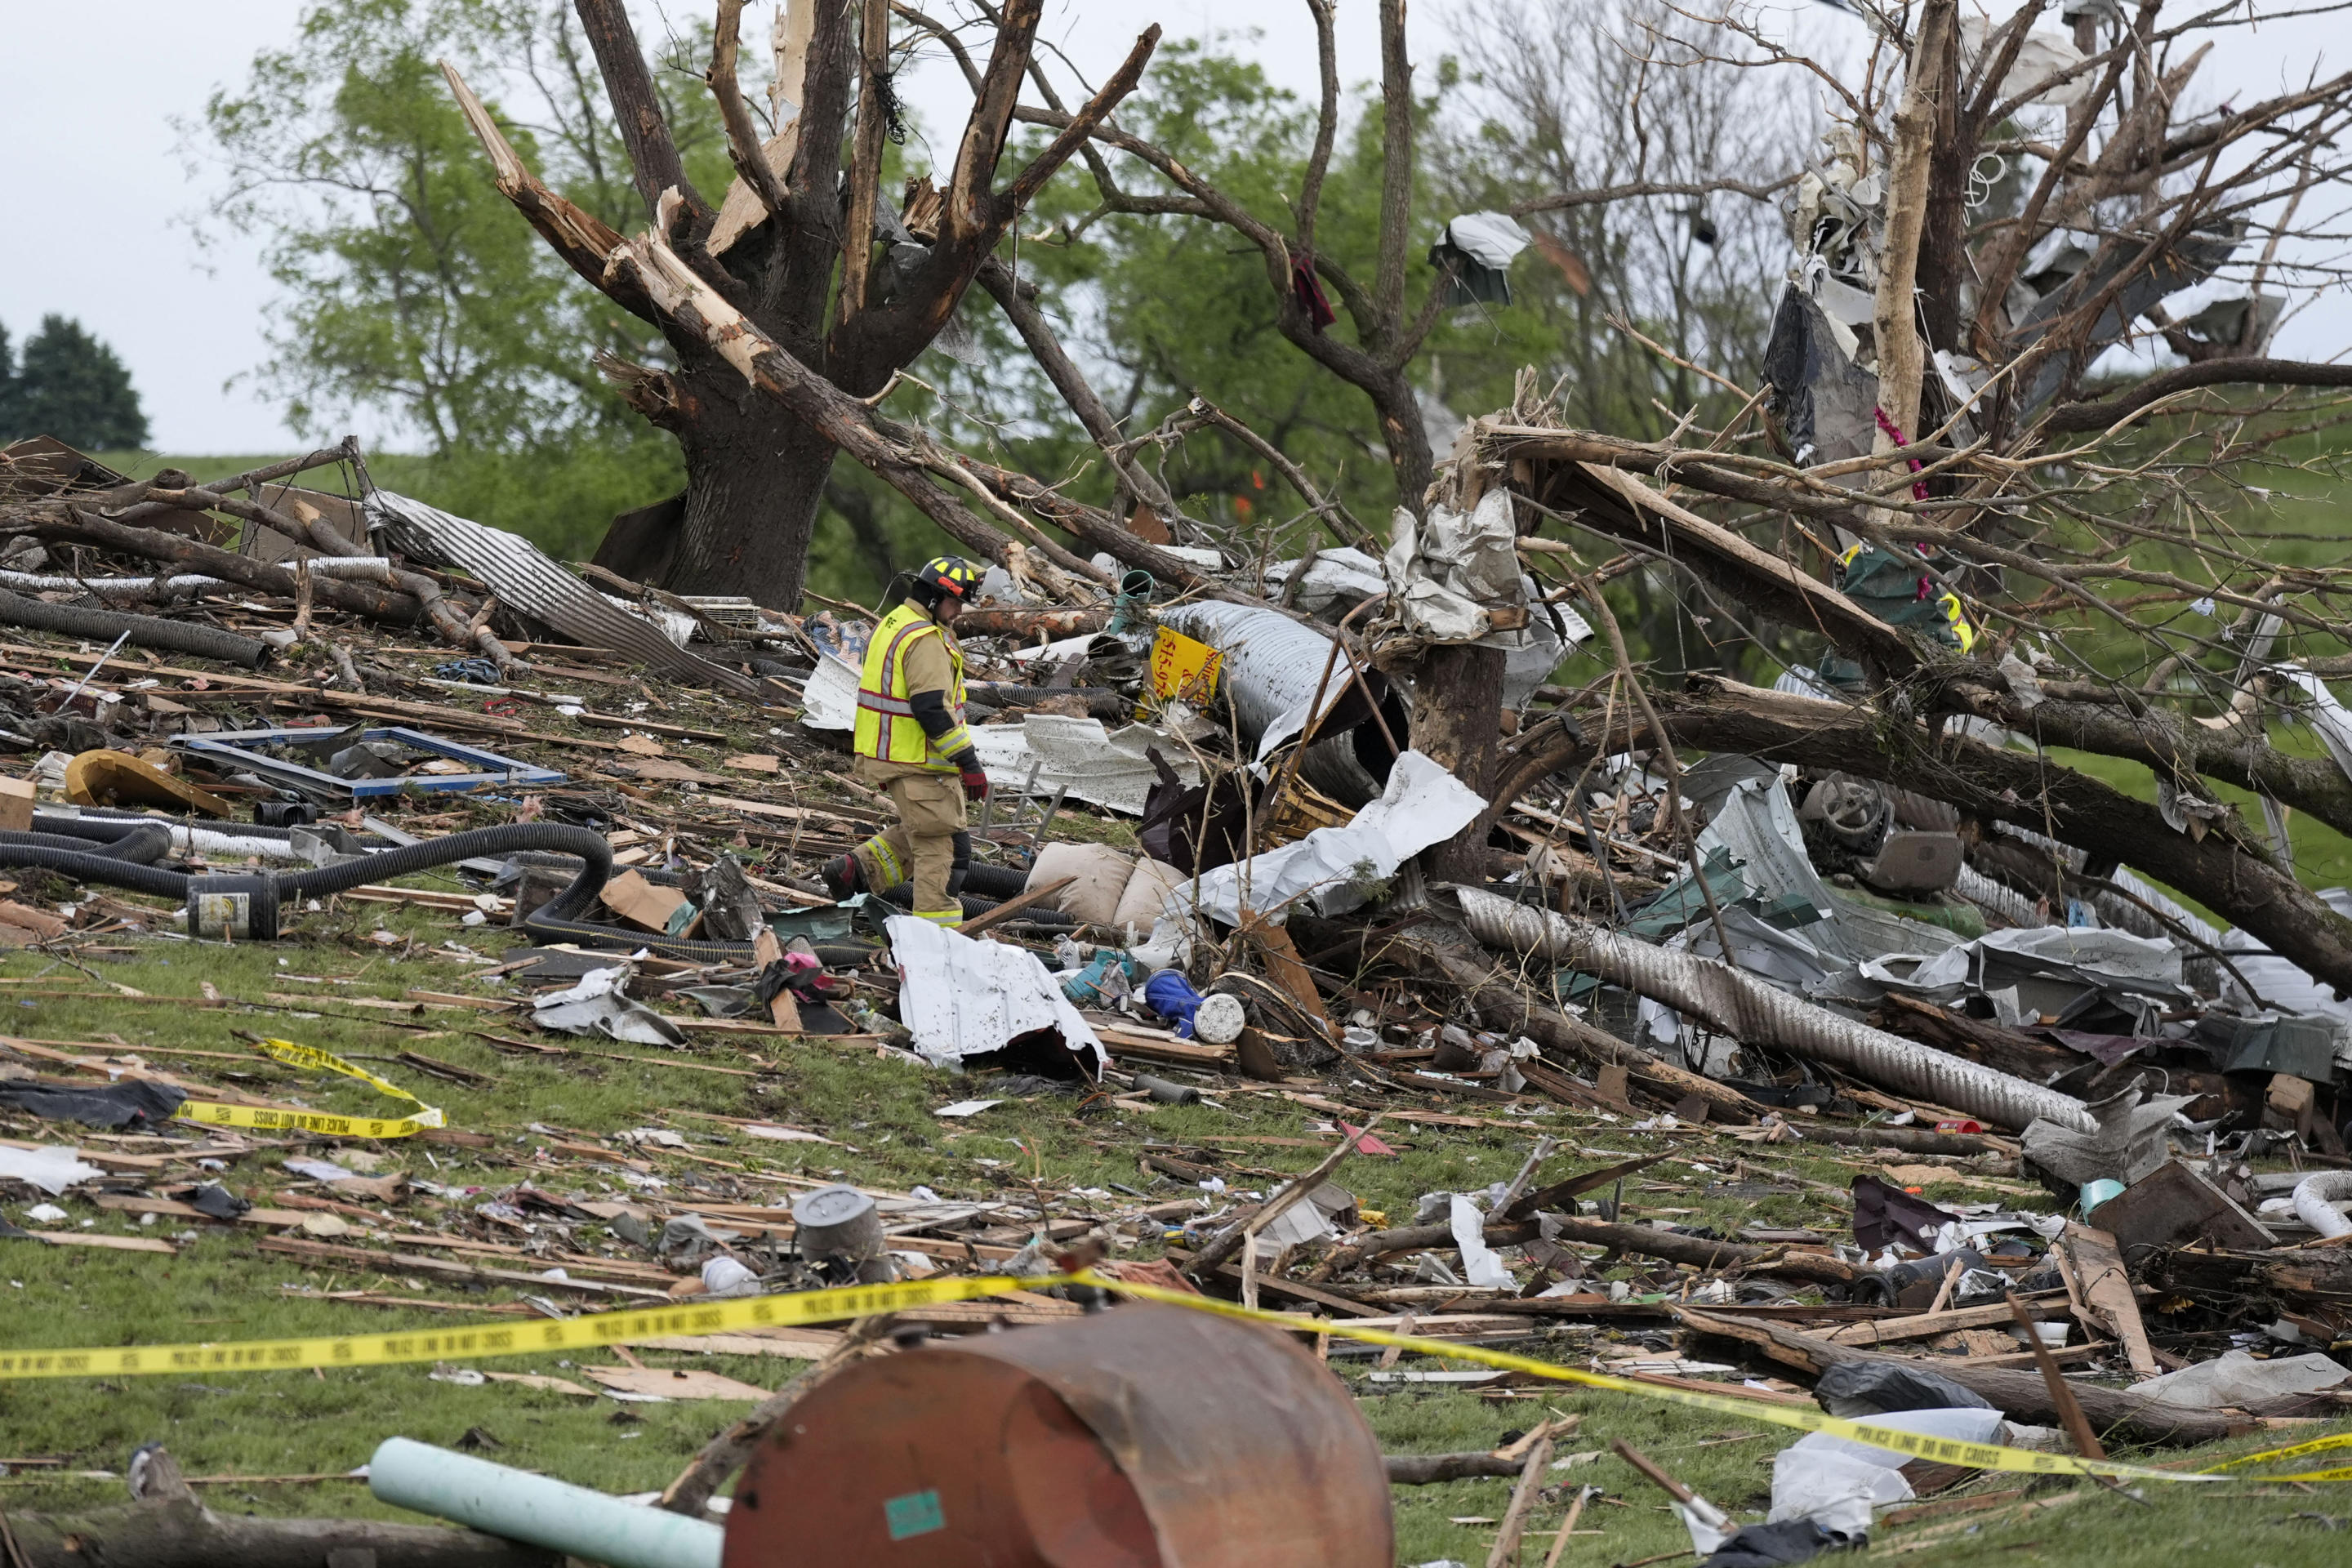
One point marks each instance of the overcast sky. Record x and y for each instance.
(101, 198)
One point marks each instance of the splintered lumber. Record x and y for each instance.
(2061, 1395)
(1928, 1325)
(2108, 1292)
(1014, 906)
(2020, 1394)
(1694, 1251)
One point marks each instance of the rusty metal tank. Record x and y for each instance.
(1145, 1436)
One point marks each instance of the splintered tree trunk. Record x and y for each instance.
(1457, 710)
(755, 477)
(181, 1534)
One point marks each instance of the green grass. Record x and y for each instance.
(220, 1286)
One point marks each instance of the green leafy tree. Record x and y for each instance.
(410, 293)
(71, 387)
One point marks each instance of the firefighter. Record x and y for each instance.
(911, 744)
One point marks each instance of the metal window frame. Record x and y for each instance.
(233, 747)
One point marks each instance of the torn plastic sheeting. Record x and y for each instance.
(1272, 666)
(2044, 53)
(1836, 1483)
(1423, 805)
(1824, 400)
(1480, 1265)
(2328, 716)
(2236, 1378)
(1050, 752)
(964, 998)
(1446, 573)
(1489, 238)
(1750, 1010)
(526, 580)
(1339, 578)
(132, 1102)
(2050, 969)
(1475, 250)
(2283, 985)
(1864, 1390)
(596, 1006)
(52, 1169)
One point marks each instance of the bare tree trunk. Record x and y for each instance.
(1458, 691)
(755, 477)
(182, 1533)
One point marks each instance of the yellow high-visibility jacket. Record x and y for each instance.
(906, 655)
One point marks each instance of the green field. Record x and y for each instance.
(221, 1287)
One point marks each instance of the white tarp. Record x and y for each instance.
(1101, 766)
(2237, 1378)
(1421, 805)
(964, 997)
(1836, 1482)
(1480, 1264)
(52, 1169)
(2044, 53)
(1490, 239)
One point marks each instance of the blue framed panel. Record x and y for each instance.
(237, 747)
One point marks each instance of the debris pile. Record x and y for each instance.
(1293, 880)
(1203, 877)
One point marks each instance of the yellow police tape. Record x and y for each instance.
(518, 1337)
(266, 1118)
(809, 1307)
(1943, 1450)
(801, 1309)
(2316, 1445)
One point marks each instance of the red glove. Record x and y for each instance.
(976, 784)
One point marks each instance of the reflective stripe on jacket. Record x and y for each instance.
(887, 729)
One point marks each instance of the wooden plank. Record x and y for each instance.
(2061, 1395)
(797, 1344)
(1928, 1325)
(1272, 1286)
(1013, 906)
(98, 1157)
(112, 1243)
(1289, 970)
(427, 897)
(390, 1262)
(124, 1202)
(2108, 1291)
(675, 732)
(1184, 1053)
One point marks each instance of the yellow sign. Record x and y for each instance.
(1182, 669)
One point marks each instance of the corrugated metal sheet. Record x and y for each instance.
(525, 578)
(1273, 666)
